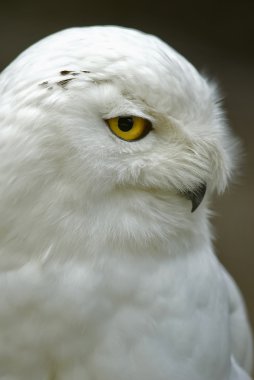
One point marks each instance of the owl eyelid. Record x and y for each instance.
(112, 115)
(147, 118)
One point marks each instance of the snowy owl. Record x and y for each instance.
(111, 147)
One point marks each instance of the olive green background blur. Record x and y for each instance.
(218, 38)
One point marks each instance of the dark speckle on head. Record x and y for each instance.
(44, 84)
(64, 82)
(73, 73)
(65, 72)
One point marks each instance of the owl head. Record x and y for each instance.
(112, 119)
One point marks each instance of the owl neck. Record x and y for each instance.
(127, 224)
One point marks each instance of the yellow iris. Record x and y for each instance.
(129, 128)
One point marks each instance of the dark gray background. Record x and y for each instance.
(218, 38)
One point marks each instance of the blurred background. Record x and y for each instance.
(218, 38)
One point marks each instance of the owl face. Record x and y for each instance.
(116, 111)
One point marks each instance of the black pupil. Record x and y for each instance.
(125, 123)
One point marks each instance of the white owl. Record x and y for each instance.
(111, 145)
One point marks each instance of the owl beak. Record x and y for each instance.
(196, 195)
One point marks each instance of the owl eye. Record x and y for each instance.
(129, 128)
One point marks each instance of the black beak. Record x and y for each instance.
(196, 196)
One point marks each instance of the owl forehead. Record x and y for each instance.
(109, 51)
(134, 58)
(140, 65)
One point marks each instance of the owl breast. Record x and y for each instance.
(131, 319)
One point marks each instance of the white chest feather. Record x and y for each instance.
(136, 318)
